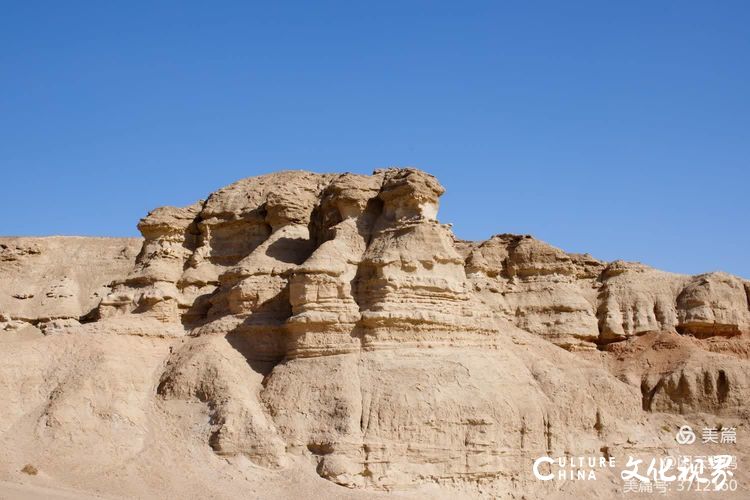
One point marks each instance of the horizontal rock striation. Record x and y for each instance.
(577, 301)
(58, 281)
(331, 318)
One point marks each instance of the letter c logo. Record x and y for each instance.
(538, 462)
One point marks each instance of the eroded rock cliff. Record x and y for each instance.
(330, 322)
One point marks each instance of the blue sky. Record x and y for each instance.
(617, 128)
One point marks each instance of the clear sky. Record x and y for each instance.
(617, 128)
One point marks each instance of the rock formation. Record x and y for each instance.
(57, 281)
(328, 326)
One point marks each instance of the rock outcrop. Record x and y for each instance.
(577, 301)
(330, 323)
(58, 281)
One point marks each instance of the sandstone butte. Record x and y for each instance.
(323, 335)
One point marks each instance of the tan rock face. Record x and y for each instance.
(538, 287)
(578, 301)
(60, 277)
(711, 304)
(329, 323)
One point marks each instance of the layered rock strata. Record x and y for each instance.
(330, 318)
